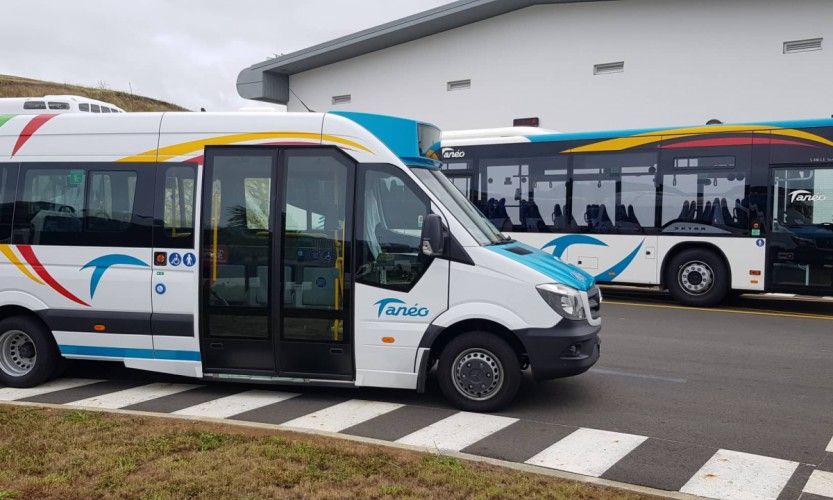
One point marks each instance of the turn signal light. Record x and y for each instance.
(388, 340)
(99, 328)
(754, 272)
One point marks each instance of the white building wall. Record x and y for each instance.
(685, 62)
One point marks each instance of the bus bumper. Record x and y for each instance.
(567, 349)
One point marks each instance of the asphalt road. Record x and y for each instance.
(755, 376)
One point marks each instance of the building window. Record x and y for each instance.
(342, 99)
(612, 67)
(802, 45)
(458, 85)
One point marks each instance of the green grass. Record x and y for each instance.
(60, 454)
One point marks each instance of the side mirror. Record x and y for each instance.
(433, 237)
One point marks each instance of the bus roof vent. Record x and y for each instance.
(611, 67)
(802, 45)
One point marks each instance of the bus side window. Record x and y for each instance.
(175, 198)
(390, 212)
(8, 183)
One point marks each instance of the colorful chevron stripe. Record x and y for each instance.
(644, 138)
(43, 277)
(30, 129)
(196, 147)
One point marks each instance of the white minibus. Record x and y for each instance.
(285, 248)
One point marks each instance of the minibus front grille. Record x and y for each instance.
(594, 299)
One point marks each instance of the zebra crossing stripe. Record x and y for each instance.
(341, 416)
(458, 431)
(829, 448)
(135, 395)
(235, 404)
(587, 451)
(13, 394)
(732, 475)
(820, 483)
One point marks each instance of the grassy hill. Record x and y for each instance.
(15, 86)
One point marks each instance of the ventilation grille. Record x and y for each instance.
(802, 45)
(342, 99)
(612, 67)
(458, 85)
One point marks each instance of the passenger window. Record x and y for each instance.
(8, 183)
(546, 208)
(81, 207)
(176, 194)
(707, 190)
(95, 108)
(58, 105)
(390, 212)
(84, 107)
(314, 245)
(34, 105)
(615, 192)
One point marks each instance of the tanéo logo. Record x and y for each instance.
(398, 308)
(804, 195)
(451, 153)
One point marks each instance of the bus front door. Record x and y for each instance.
(801, 239)
(275, 246)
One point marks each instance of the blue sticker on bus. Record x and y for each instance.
(760, 242)
(161, 288)
(189, 259)
(174, 259)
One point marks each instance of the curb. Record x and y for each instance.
(520, 467)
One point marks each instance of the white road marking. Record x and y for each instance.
(236, 404)
(457, 431)
(820, 483)
(135, 395)
(338, 417)
(587, 451)
(605, 371)
(829, 448)
(734, 475)
(12, 394)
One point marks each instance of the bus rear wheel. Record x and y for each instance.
(479, 371)
(697, 277)
(28, 355)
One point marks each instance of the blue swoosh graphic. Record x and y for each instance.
(614, 271)
(101, 264)
(560, 244)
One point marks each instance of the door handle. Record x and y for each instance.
(216, 345)
(336, 350)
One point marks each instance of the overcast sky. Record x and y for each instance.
(188, 52)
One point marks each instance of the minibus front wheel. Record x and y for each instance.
(479, 371)
(28, 354)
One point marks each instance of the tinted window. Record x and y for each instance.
(8, 184)
(95, 108)
(34, 105)
(389, 211)
(708, 190)
(74, 205)
(175, 198)
(614, 192)
(84, 107)
(58, 105)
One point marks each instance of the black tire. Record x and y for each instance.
(491, 357)
(697, 277)
(19, 337)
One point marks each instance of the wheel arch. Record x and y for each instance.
(689, 245)
(437, 337)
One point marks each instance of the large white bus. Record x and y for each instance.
(703, 211)
(291, 248)
(55, 104)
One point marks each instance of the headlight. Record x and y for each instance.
(564, 300)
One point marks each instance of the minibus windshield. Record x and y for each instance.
(480, 227)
